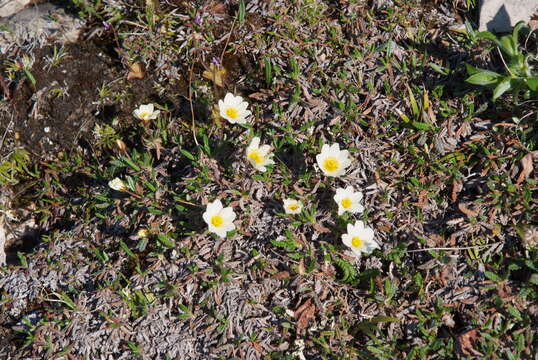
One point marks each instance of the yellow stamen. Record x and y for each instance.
(293, 207)
(232, 112)
(356, 242)
(144, 114)
(217, 221)
(346, 203)
(256, 157)
(331, 164)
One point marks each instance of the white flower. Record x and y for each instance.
(348, 200)
(259, 156)
(146, 113)
(292, 206)
(359, 238)
(234, 109)
(219, 219)
(117, 184)
(333, 161)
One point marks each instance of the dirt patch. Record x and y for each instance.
(70, 95)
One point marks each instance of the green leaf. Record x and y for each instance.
(492, 276)
(165, 240)
(483, 77)
(383, 319)
(268, 71)
(507, 46)
(440, 69)
(414, 105)
(515, 32)
(422, 126)
(515, 312)
(532, 83)
(30, 77)
(130, 163)
(187, 154)
(242, 11)
(126, 249)
(471, 70)
(488, 36)
(501, 88)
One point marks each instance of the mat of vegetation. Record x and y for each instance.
(125, 269)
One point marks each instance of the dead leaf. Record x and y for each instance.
(2, 242)
(217, 74)
(465, 342)
(298, 189)
(321, 229)
(457, 186)
(304, 314)
(281, 275)
(136, 71)
(526, 163)
(464, 209)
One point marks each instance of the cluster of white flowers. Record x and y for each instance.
(331, 161)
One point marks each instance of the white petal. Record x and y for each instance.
(214, 207)
(335, 147)
(346, 239)
(227, 214)
(255, 143)
(207, 217)
(368, 234)
(219, 231)
(228, 227)
(264, 149)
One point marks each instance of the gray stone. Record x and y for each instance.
(502, 15)
(35, 26)
(11, 7)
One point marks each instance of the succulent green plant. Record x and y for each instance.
(519, 76)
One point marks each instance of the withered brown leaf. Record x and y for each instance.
(136, 71)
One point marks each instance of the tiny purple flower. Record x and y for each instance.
(215, 61)
(107, 25)
(198, 20)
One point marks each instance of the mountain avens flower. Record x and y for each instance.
(146, 113)
(292, 206)
(234, 109)
(117, 184)
(333, 161)
(348, 200)
(259, 156)
(219, 219)
(359, 238)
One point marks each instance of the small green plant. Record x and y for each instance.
(14, 167)
(519, 76)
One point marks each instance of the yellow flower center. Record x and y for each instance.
(255, 156)
(144, 114)
(346, 203)
(356, 242)
(331, 164)
(217, 221)
(293, 207)
(232, 112)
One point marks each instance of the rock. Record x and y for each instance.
(502, 15)
(37, 25)
(11, 7)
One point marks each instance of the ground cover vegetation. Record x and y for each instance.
(371, 195)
